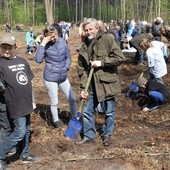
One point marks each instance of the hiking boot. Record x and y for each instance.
(12, 152)
(58, 124)
(150, 108)
(29, 158)
(84, 140)
(106, 141)
(3, 164)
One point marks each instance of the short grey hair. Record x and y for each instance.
(90, 21)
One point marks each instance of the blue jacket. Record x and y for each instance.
(29, 37)
(57, 60)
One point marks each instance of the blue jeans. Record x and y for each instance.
(20, 134)
(157, 97)
(30, 47)
(139, 57)
(65, 86)
(89, 118)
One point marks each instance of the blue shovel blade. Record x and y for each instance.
(73, 129)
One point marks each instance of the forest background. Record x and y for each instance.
(38, 12)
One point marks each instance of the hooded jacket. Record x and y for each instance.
(103, 48)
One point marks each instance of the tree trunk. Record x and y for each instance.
(33, 12)
(49, 11)
(82, 17)
(76, 10)
(92, 8)
(68, 9)
(123, 10)
(100, 10)
(5, 11)
(159, 8)
(25, 7)
(54, 9)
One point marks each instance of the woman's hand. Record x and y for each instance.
(46, 40)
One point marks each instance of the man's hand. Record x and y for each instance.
(34, 105)
(84, 95)
(96, 63)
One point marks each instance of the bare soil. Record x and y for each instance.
(141, 141)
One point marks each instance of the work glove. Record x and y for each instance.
(134, 87)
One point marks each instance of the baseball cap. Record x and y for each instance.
(8, 39)
(141, 81)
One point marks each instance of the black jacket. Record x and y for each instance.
(153, 85)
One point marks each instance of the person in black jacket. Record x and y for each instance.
(134, 42)
(156, 25)
(5, 128)
(156, 91)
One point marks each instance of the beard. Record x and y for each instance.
(90, 37)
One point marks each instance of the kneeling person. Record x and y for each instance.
(157, 92)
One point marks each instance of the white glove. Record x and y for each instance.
(96, 63)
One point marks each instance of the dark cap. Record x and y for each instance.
(8, 39)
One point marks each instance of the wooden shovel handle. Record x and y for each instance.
(86, 89)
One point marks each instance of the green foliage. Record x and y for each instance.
(110, 9)
(18, 14)
(40, 15)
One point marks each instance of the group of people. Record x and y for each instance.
(156, 31)
(153, 43)
(16, 76)
(34, 39)
(129, 34)
(99, 50)
(104, 57)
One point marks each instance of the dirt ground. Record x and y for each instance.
(141, 141)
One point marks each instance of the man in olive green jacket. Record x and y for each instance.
(99, 50)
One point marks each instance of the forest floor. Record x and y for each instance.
(141, 141)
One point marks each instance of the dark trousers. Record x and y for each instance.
(5, 124)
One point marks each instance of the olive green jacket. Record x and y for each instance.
(105, 49)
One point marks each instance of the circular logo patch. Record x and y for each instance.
(22, 78)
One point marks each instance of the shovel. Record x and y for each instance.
(74, 126)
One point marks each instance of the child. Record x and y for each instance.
(30, 40)
(156, 91)
(156, 62)
(16, 75)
